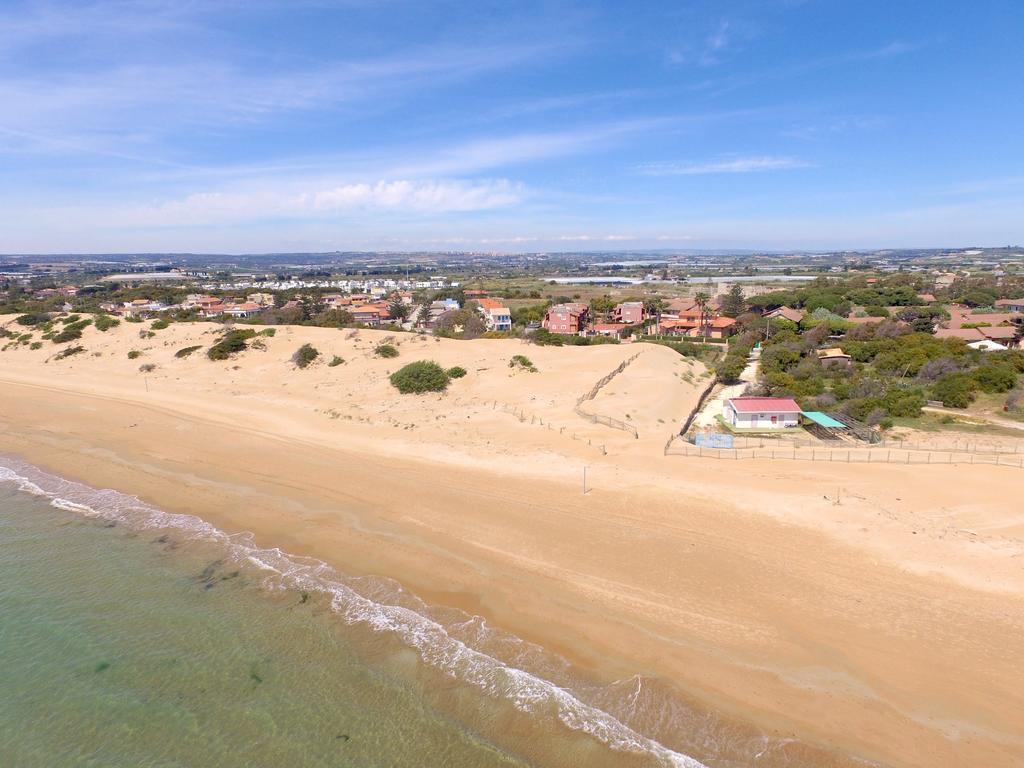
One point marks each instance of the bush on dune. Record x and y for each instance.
(305, 355)
(421, 376)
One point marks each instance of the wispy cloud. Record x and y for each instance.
(724, 165)
(293, 201)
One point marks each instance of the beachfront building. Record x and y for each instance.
(566, 318)
(497, 316)
(761, 412)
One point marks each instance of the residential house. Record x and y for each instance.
(761, 412)
(1011, 305)
(261, 299)
(568, 318)
(786, 313)
(629, 312)
(243, 310)
(370, 314)
(986, 345)
(497, 316)
(141, 307)
(833, 356)
(609, 329)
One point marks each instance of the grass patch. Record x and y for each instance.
(385, 350)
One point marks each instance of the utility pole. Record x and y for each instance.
(584, 481)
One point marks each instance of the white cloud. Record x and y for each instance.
(724, 165)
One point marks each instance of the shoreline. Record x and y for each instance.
(767, 621)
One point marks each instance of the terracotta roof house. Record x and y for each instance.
(927, 298)
(496, 314)
(566, 318)
(832, 356)
(608, 329)
(761, 412)
(786, 313)
(967, 334)
(1011, 305)
(367, 314)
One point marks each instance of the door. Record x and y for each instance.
(775, 420)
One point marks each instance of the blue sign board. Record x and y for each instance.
(713, 440)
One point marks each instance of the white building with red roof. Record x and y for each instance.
(761, 412)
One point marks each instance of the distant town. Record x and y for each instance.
(866, 340)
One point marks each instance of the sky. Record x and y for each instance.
(243, 126)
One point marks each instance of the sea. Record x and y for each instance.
(134, 637)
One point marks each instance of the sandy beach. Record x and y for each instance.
(876, 612)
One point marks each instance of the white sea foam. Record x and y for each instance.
(386, 608)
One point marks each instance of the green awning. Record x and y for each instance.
(823, 420)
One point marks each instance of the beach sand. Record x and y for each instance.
(874, 610)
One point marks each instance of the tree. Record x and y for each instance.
(600, 306)
(702, 299)
(733, 304)
(398, 310)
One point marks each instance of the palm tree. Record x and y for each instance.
(702, 299)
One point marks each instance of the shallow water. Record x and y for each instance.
(134, 637)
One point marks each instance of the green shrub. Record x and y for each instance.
(305, 355)
(134, 354)
(421, 376)
(955, 390)
(68, 352)
(268, 332)
(522, 362)
(231, 342)
(35, 345)
(729, 368)
(32, 318)
(68, 334)
(385, 350)
(457, 372)
(105, 322)
(336, 361)
(995, 377)
(159, 325)
(186, 351)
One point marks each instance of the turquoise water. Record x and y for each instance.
(134, 637)
(117, 652)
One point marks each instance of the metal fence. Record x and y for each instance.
(873, 455)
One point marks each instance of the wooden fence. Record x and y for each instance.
(607, 421)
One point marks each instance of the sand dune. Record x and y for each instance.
(876, 610)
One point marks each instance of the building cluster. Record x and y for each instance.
(681, 317)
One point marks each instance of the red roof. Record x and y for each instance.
(764, 405)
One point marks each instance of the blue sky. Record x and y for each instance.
(293, 125)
